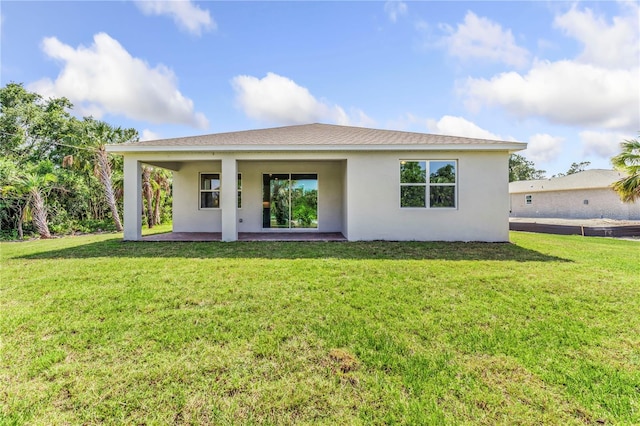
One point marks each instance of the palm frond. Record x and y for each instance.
(628, 188)
(628, 161)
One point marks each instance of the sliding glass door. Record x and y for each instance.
(276, 203)
(290, 200)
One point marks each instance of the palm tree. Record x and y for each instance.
(161, 182)
(155, 182)
(32, 187)
(97, 134)
(628, 161)
(280, 201)
(147, 193)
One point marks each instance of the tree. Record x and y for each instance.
(575, 168)
(161, 181)
(522, 169)
(445, 174)
(147, 193)
(31, 127)
(412, 172)
(628, 161)
(442, 196)
(95, 136)
(578, 167)
(12, 202)
(280, 201)
(89, 190)
(156, 185)
(31, 186)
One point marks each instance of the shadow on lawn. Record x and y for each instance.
(301, 250)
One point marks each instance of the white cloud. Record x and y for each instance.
(149, 135)
(563, 92)
(602, 144)
(280, 100)
(543, 147)
(358, 117)
(185, 14)
(408, 122)
(395, 9)
(615, 45)
(598, 89)
(459, 126)
(105, 78)
(481, 38)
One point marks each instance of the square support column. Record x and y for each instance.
(229, 198)
(132, 199)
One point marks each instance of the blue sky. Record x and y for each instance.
(562, 76)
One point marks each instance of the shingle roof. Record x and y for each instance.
(588, 179)
(309, 135)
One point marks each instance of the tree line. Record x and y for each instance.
(522, 169)
(55, 174)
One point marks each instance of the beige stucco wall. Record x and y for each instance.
(602, 203)
(374, 212)
(187, 216)
(358, 193)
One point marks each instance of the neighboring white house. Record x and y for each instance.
(367, 184)
(583, 195)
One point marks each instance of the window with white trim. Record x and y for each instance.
(209, 190)
(428, 183)
(528, 199)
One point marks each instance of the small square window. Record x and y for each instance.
(585, 202)
(528, 199)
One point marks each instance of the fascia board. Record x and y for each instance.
(126, 149)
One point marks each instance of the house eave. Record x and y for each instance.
(568, 189)
(140, 149)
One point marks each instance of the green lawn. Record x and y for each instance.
(545, 330)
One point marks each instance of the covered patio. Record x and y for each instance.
(247, 236)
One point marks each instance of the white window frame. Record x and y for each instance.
(201, 191)
(528, 199)
(428, 185)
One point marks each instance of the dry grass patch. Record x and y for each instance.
(343, 360)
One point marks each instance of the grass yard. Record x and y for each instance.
(545, 330)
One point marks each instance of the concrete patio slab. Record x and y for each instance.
(247, 236)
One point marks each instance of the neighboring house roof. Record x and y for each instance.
(588, 179)
(316, 137)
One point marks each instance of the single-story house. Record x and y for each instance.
(366, 184)
(583, 195)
